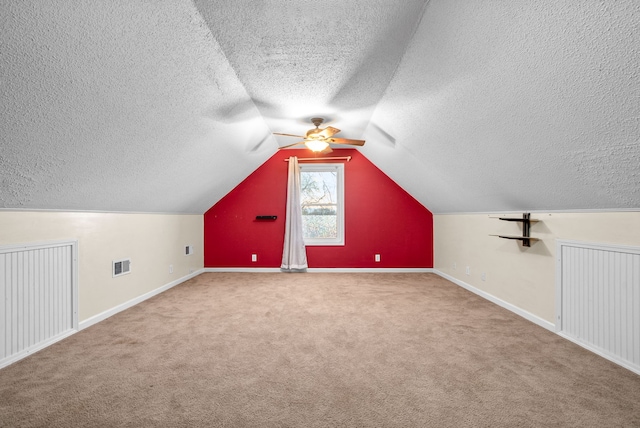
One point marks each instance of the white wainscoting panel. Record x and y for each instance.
(38, 297)
(598, 299)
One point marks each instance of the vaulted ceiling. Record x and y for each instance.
(471, 106)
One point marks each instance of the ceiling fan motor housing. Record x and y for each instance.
(313, 133)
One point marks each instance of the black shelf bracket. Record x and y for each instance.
(526, 229)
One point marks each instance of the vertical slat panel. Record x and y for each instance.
(569, 302)
(7, 304)
(615, 308)
(68, 289)
(68, 308)
(54, 291)
(15, 327)
(609, 311)
(626, 310)
(600, 298)
(36, 292)
(63, 295)
(31, 297)
(42, 286)
(26, 289)
(575, 303)
(599, 303)
(3, 307)
(35, 267)
(43, 294)
(636, 312)
(617, 286)
(629, 303)
(63, 290)
(585, 274)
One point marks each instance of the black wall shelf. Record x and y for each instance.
(526, 229)
(266, 217)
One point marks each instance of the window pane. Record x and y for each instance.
(318, 195)
(320, 226)
(322, 203)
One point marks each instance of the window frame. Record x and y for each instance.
(339, 169)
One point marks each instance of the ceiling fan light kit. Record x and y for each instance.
(318, 140)
(316, 145)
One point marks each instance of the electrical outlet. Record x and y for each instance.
(254, 257)
(170, 268)
(468, 270)
(377, 257)
(483, 276)
(455, 266)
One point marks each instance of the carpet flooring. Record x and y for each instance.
(317, 350)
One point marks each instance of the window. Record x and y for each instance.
(322, 200)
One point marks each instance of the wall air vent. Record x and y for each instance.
(121, 267)
(188, 250)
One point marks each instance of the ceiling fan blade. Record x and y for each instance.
(291, 145)
(326, 151)
(347, 141)
(288, 135)
(329, 131)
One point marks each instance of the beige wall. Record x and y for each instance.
(152, 241)
(521, 276)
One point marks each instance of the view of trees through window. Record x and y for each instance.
(318, 197)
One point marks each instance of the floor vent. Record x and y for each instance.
(121, 267)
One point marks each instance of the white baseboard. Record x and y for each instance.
(516, 310)
(243, 269)
(26, 352)
(602, 353)
(336, 270)
(126, 305)
(373, 270)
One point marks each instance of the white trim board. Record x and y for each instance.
(490, 297)
(569, 211)
(599, 352)
(25, 353)
(62, 210)
(126, 305)
(327, 270)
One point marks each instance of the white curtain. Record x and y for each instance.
(294, 254)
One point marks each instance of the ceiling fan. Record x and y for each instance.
(318, 139)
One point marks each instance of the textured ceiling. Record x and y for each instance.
(165, 106)
(528, 105)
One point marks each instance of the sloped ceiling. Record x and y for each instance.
(471, 106)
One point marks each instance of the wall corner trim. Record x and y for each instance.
(516, 310)
(126, 305)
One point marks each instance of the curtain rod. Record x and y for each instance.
(345, 158)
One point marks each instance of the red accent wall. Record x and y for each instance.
(380, 218)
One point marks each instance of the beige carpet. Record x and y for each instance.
(317, 350)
